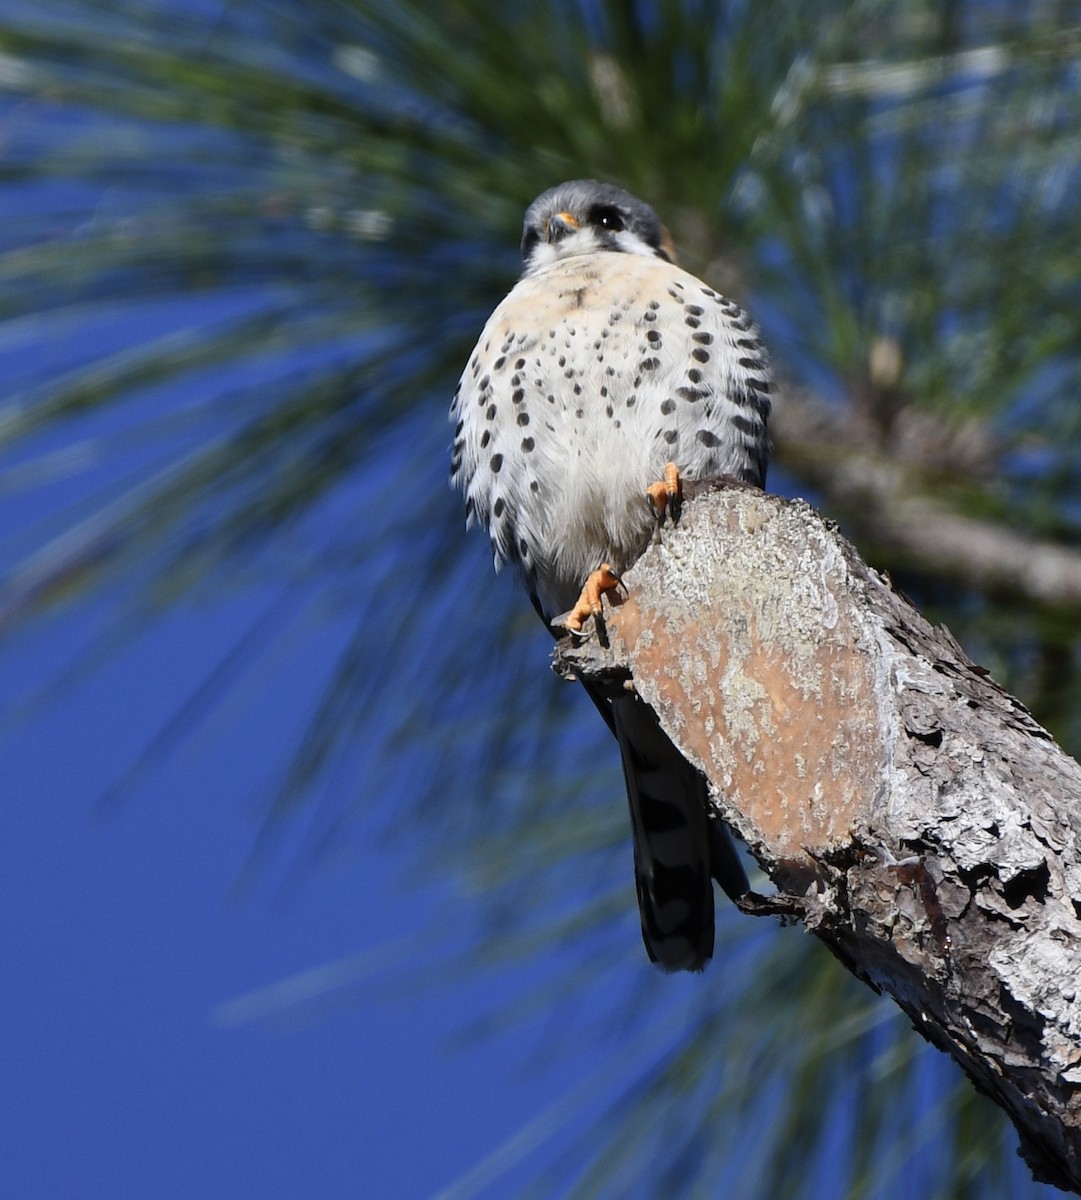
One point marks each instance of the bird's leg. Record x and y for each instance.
(666, 495)
(600, 582)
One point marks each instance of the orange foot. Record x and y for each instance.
(600, 582)
(666, 495)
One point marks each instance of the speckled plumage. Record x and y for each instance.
(605, 362)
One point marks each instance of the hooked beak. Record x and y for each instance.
(560, 225)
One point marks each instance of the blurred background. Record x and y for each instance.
(314, 880)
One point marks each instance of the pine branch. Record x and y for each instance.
(918, 819)
(887, 501)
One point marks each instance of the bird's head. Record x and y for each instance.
(583, 216)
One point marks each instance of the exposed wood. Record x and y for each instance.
(923, 823)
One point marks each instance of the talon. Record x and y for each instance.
(658, 497)
(589, 604)
(666, 495)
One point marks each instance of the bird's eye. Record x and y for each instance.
(609, 218)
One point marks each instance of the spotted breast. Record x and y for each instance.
(587, 379)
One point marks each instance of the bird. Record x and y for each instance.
(606, 379)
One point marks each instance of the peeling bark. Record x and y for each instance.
(919, 819)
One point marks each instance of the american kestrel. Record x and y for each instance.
(603, 380)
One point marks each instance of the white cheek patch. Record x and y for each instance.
(542, 255)
(582, 241)
(630, 243)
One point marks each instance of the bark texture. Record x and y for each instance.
(924, 825)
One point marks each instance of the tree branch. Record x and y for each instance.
(919, 817)
(887, 499)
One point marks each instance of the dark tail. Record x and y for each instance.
(678, 847)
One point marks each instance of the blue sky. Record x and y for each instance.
(133, 927)
(123, 938)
